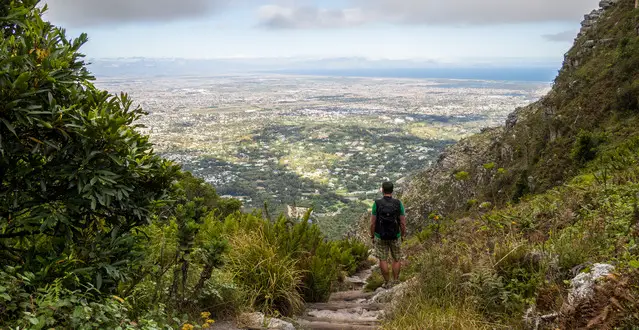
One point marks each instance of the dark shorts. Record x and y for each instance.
(386, 249)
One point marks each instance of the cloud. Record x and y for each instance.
(561, 36)
(279, 17)
(106, 12)
(426, 12)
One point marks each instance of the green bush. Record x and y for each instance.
(55, 306)
(319, 278)
(271, 281)
(587, 146)
(375, 281)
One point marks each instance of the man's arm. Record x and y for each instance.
(402, 219)
(373, 222)
(402, 225)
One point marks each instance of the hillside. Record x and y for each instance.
(507, 218)
(594, 94)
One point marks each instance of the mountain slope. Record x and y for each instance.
(594, 95)
(510, 222)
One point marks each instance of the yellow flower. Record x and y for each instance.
(118, 299)
(210, 321)
(514, 223)
(205, 315)
(187, 326)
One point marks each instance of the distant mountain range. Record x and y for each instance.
(507, 69)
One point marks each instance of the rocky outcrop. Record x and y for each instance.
(589, 22)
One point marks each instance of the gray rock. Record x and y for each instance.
(605, 4)
(259, 321)
(395, 293)
(582, 286)
(589, 43)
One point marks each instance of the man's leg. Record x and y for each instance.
(396, 254)
(383, 266)
(397, 265)
(382, 252)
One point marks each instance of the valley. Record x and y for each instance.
(320, 142)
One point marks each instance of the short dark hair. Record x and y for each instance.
(387, 187)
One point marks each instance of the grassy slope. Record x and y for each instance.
(564, 180)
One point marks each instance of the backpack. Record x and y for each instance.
(388, 212)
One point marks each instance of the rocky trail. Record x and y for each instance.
(345, 310)
(352, 309)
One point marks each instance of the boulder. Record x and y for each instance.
(582, 286)
(260, 321)
(383, 296)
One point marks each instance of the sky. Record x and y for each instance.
(447, 31)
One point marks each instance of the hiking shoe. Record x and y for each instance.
(387, 286)
(394, 283)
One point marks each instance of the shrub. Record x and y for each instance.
(586, 146)
(54, 306)
(375, 281)
(319, 278)
(271, 281)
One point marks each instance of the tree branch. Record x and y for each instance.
(18, 234)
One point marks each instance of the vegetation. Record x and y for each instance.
(533, 204)
(99, 232)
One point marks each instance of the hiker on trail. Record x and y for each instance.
(388, 229)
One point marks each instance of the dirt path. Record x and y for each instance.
(345, 310)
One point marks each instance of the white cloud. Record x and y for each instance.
(433, 12)
(279, 17)
(105, 12)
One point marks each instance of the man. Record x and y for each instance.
(388, 226)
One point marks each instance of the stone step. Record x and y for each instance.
(350, 295)
(339, 305)
(341, 321)
(319, 325)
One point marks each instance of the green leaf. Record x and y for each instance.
(34, 320)
(98, 281)
(634, 264)
(9, 126)
(21, 82)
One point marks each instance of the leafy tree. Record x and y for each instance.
(76, 178)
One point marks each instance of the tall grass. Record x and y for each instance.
(271, 281)
(418, 314)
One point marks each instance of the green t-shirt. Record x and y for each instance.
(401, 212)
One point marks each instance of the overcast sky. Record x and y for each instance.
(443, 30)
